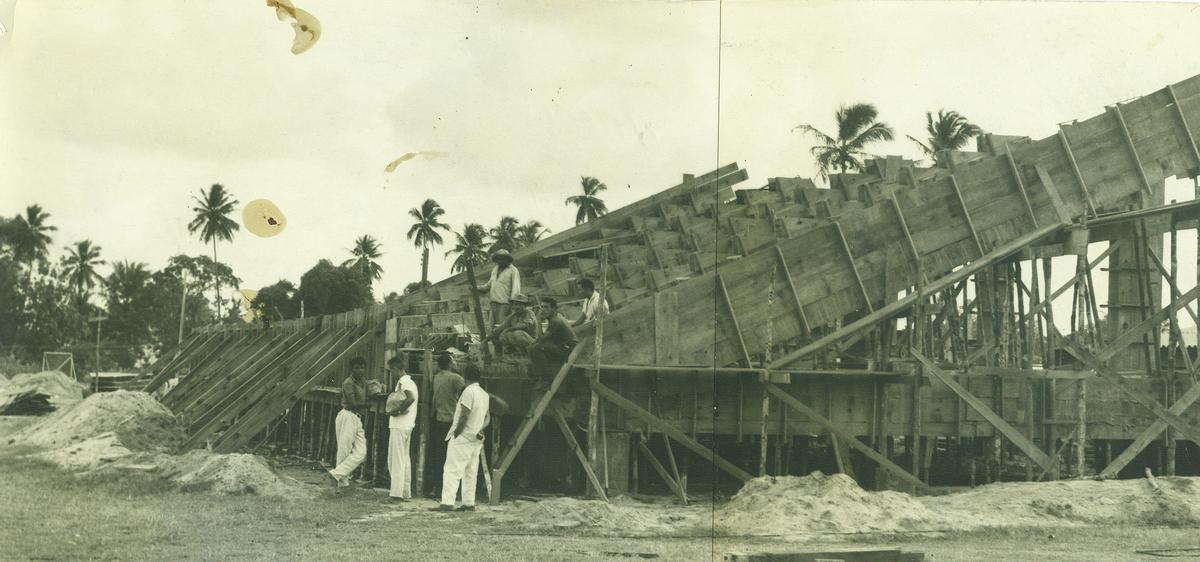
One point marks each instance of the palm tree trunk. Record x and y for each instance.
(425, 265)
(217, 278)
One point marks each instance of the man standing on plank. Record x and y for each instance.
(465, 444)
(402, 411)
(504, 284)
(351, 440)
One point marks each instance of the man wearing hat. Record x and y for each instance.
(504, 284)
(520, 329)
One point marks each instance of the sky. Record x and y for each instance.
(113, 115)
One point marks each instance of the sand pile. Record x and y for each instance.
(233, 474)
(1175, 503)
(620, 516)
(61, 388)
(817, 503)
(138, 421)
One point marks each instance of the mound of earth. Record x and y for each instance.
(619, 516)
(232, 474)
(817, 503)
(59, 387)
(138, 422)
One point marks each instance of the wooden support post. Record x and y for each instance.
(1176, 345)
(787, 275)
(1137, 160)
(662, 472)
(1081, 429)
(675, 466)
(575, 448)
(1150, 433)
(657, 423)
(844, 435)
(1016, 172)
(853, 268)
(912, 247)
(1025, 445)
(1187, 129)
(478, 307)
(1066, 145)
(734, 319)
(598, 339)
(425, 417)
(962, 203)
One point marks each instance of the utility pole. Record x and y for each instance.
(99, 320)
(182, 304)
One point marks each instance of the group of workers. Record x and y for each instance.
(461, 407)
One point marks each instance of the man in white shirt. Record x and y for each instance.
(402, 412)
(504, 284)
(593, 305)
(466, 443)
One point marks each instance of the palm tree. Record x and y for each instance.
(530, 232)
(857, 128)
(950, 131)
(469, 247)
(79, 265)
(29, 236)
(424, 232)
(126, 280)
(212, 221)
(504, 235)
(366, 250)
(590, 205)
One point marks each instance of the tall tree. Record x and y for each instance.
(424, 232)
(950, 131)
(469, 247)
(590, 205)
(330, 289)
(131, 313)
(504, 234)
(365, 251)
(211, 220)
(278, 301)
(530, 232)
(30, 236)
(79, 265)
(857, 128)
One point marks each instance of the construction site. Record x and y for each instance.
(987, 354)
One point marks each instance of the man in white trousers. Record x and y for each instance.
(351, 440)
(466, 443)
(402, 412)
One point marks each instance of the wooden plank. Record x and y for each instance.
(671, 431)
(1060, 208)
(844, 435)
(666, 328)
(1149, 434)
(1133, 152)
(1013, 434)
(841, 455)
(662, 471)
(899, 305)
(733, 317)
(531, 421)
(1016, 172)
(962, 203)
(575, 448)
(1187, 129)
(853, 267)
(916, 256)
(787, 275)
(1066, 146)
(855, 555)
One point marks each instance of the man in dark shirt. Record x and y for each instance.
(550, 351)
(447, 386)
(348, 426)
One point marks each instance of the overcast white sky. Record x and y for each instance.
(114, 114)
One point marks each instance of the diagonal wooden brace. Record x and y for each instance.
(1150, 434)
(1013, 434)
(671, 431)
(844, 436)
(583, 459)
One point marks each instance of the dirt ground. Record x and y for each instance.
(48, 512)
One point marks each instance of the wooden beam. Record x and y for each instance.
(844, 435)
(1187, 129)
(671, 431)
(1137, 160)
(787, 274)
(912, 247)
(1060, 208)
(530, 422)
(962, 203)
(737, 328)
(1016, 172)
(899, 305)
(1013, 434)
(1150, 433)
(1066, 145)
(662, 471)
(1119, 343)
(575, 448)
(853, 266)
